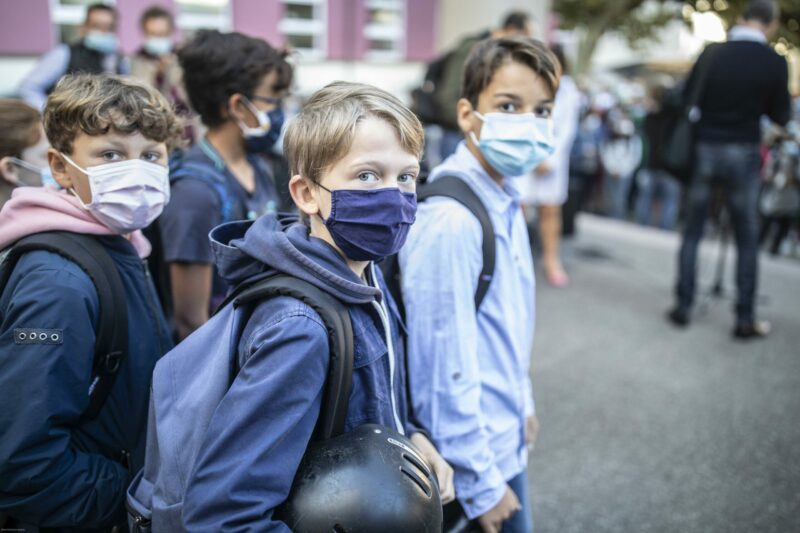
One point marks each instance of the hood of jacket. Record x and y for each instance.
(280, 244)
(37, 209)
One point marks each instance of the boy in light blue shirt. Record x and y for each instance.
(468, 367)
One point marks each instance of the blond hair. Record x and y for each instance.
(323, 132)
(94, 104)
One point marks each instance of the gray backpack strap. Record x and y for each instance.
(336, 318)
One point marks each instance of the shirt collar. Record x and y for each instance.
(743, 33)
(496, 198)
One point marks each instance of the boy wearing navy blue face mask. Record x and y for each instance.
(236, 84)
(354, 153)
(468, 367)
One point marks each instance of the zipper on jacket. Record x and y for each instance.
(384, 314)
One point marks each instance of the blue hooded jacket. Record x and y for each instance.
(57, 469)
(261, 429)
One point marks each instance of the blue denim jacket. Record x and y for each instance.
(57, 468)
(469, 371)
(261, 429)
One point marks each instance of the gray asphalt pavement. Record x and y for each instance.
(646, 428)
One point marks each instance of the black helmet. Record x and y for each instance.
(371, 479)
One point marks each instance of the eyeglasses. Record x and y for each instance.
(267, 99)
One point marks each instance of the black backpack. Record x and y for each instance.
(111, 343)
(457, 189)
(424, 101)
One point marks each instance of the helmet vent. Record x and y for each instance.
(416, 479)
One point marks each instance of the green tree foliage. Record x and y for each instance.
(638, 20)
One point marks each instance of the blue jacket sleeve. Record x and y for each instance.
(44, 479)
(262, 427)
(440, 264)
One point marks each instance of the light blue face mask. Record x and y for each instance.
(158, 46)
(103, 42)
(514, 143)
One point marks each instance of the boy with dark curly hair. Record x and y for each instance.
(236, 84)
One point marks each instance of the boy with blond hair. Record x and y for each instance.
(469, 361)
(354, 153)
(73, 430)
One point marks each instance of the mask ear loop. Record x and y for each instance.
(264, 122)
(324, 221)
(72, 189)
(472, 133)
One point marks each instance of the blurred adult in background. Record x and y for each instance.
(585, 166)
(96, 51)
(155, 63)
(443, 80)
(23, 148)
(654, 184)
(746, 79)
(621, 154)
(547, 185)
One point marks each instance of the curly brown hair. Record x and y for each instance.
(94, 104)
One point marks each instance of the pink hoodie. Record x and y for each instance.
(36, 209)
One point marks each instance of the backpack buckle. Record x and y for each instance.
(111, 362)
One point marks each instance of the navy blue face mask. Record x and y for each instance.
(370, 224)
(264, 143)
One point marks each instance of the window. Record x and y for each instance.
(385, 28)
(68, 17)
(193, 15)
(303, 26)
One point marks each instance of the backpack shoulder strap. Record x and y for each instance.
(111, 343)
(336, 318)
(189, 169)
(457, 189)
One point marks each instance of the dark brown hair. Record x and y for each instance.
(95, 104)
(218, 65)
(156, 12)
(490, 54)
(19, 127)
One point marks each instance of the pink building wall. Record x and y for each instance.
(422, 19)
(25, 29)
(259, 18)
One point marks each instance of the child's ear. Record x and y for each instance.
(7, 171)
(59, 169)
(466, 116)
(303, 195)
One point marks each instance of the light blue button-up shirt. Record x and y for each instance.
(469, 371)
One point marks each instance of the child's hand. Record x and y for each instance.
(443, 471)
(531, 432)
(492, 521)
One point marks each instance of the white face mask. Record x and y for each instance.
(264, 123)
(127, 195)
